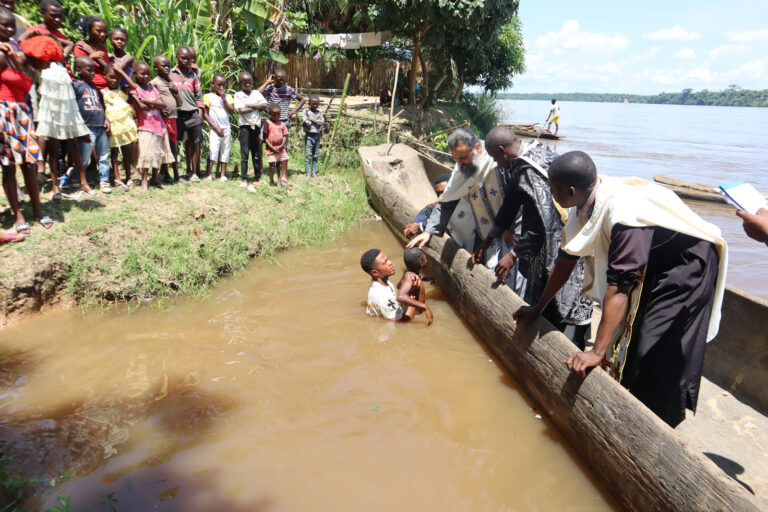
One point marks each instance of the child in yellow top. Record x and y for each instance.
(123, 132)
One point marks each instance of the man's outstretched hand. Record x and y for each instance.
(525, 315)
(412, 229)
(755, 226)
(419, 241)
(580, 362)
(477, 256)
(504, 267)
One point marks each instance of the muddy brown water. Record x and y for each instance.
(277, 393)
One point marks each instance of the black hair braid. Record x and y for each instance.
(85, 23)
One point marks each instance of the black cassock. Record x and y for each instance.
(665, 356)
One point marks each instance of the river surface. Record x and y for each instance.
(709, 145)
(277, 393)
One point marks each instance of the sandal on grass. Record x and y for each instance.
(22, 229)
(9, 237)
(56, 198)
(46, 222)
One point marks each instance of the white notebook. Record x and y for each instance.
(743, 196)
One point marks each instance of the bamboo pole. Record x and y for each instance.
(392, 104)
(336, 123)
(375, 111)
(462, 125)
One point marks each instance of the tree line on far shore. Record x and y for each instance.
(733, 96)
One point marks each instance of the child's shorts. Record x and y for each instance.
(220, 146)
(277, 157)
(172, 130)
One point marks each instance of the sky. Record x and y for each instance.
(644, 47)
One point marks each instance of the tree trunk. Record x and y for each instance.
(439, 83)
(457, 96)
(411, 79)
(425, 84)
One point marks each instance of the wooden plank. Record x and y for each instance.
(636, 456)
(737, 359)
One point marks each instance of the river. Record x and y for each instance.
(704, 144)
(277, 393)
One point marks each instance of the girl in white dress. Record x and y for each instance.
(58, 116)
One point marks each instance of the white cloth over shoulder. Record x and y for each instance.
(635, 202)
(382, 301)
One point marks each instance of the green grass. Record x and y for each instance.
(127, 247)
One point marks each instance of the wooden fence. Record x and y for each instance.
(311, 74)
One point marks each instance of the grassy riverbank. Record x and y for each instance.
(133, 247)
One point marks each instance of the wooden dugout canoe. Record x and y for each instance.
(691, 189)
(533, 131)
(642, 461)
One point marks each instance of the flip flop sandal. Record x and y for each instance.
(56, 198)
(76, 196)
(22, 227)
(122, 185)
(11, 238)
(46, 222)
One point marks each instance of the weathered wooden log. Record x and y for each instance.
(642, 461)
(691, 189)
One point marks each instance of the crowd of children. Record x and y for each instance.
(99, 109)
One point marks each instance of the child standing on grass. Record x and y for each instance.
(169, 93)
(123, 132)
(91, 106)
(249, 104)
(313, 121)
(275, 134)
(18, 142)
(218, 108)
(154, 148)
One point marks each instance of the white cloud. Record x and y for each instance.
(748, 36)
(685, 53)
(676, 33)
(570, 37)
(728, 49)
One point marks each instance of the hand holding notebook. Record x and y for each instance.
(743, 196)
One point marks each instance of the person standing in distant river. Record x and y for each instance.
(554, 116)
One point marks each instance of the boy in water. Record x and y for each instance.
(382, 301)
(410, 290)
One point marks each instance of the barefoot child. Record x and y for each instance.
(382, 301)
(91, 106)
(154, 148)
(410, 290)
(123, 132)
(249, 104)
(275, 134)
(313, 121)
(218, 108)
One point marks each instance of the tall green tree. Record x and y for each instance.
(467, 27)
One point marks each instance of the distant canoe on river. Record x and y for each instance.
(532, 130)
(691, 189)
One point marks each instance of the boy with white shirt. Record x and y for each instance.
(382, 299)
(218, 108)
(249, 103)
(554, 116)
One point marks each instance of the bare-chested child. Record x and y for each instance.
(411, 291)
